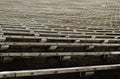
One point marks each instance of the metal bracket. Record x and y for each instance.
(68, 28)
(116, 37)
(105, 41)
(27, 28)
(90, 47)
(4, 47)
(59, 32)
(43, 40)
(2, 38)
(87, 74)
(66, 57)
(93, 37)
(1, 29)
(36, 34)
(74, 30)
(46, 27)
(67, 36)
(77, 41)
(31, 31)
(53, 47)
(6, 59)
(52, 29)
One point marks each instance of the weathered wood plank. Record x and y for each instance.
(45, 54)
(23, 73)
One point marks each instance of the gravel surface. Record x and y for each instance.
(75, 13)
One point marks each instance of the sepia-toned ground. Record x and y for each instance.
(74, 13)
